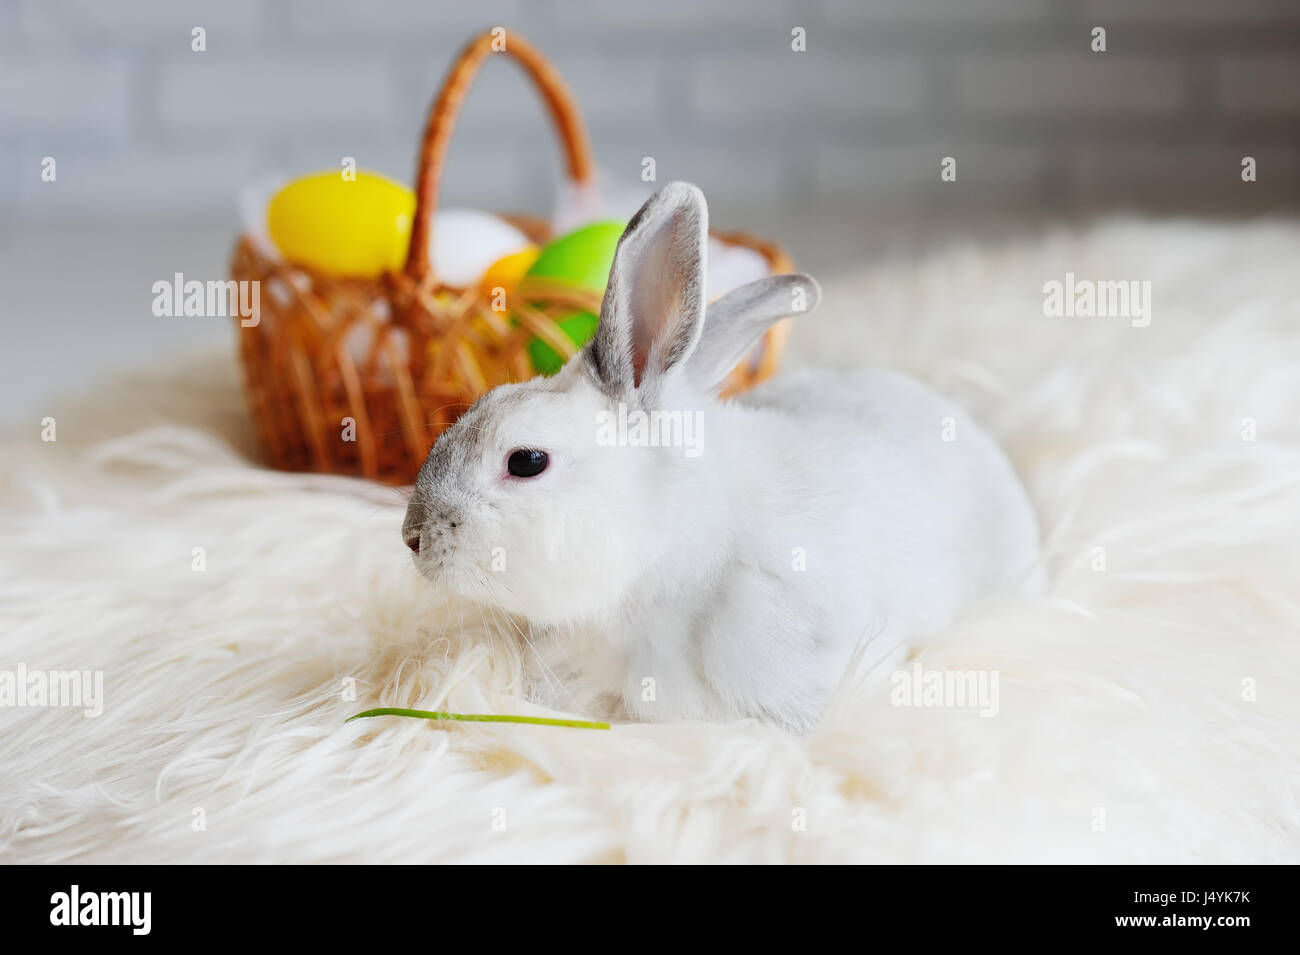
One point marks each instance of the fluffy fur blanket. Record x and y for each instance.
(1147, 709)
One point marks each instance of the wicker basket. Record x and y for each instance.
(360, 376)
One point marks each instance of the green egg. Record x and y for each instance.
(583, 258)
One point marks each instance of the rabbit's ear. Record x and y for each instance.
(653, 310)
(738, 320)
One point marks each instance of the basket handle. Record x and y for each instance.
(442, 119)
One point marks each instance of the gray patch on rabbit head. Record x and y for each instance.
(467, 440)
(459, 449)
(439, 489)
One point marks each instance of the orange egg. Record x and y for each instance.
(506, 271)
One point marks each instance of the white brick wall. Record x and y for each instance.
(677, 16)
(1049, 85)
(1208, 12)
(202, 93)
(135, 25)
(140, 124)
(47, 94)
(97, 184)
(1168, 174)
(790, 88)
(1260, 85)
(350, 21)
(933, 13)
(898, 178)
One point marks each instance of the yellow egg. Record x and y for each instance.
(506, 271)
(355, 227)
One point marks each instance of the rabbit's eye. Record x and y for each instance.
(526, 463)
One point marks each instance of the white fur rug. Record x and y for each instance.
(1149, 710)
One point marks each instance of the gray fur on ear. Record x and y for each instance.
(736, 322)
(653, 312)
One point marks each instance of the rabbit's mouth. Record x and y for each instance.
(430, 530)
(431, 554)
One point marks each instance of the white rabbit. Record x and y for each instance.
(735, 573)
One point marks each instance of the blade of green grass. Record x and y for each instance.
(477, 718)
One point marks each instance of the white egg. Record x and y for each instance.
(467, 241)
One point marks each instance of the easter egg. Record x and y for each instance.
(582, 258)
(506, 271)
(468, 241)
(353, 227)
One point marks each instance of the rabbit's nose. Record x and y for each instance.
(413, 541)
